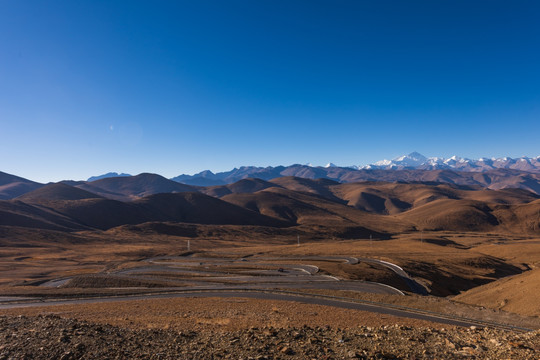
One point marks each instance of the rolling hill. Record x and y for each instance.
(494, 174)
(127, 188)
(57, 191)
(62, 207)
(248, 185)
(12, 186)
(19, 214)
(199, 208)
(376, 207)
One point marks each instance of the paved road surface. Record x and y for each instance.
(307, 299)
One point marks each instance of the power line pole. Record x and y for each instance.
(188, 246)
(298, 238)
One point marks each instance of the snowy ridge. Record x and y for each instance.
(416, 160)
(412, 161)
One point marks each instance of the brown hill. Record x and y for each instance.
(319, 187)
(493, 179)
(381, 207)
(99, 213)
(134, 187)
(202, 209)
(311, 209)
(374, 197)
(12, 186)
(511, 294)
(394, 198)
(249, 185)
(282, 206)
(519, 218)
(20, 214)
(58, 191)
(450, 214)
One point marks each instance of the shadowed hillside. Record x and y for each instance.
(58, 191)
(449, 214)
(100, 213)
(319, 187)
(134, 187)
(314, 210)
(492, 178)
(241, 186)
(20, 214)
(284, 207)
(394, 198)
(381, 207)
(12, 186)
(520, 218)
(202, 209)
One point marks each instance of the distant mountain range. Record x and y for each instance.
(418, 161)
(412, 161)
(495, 174)
(149, 203)
(523, 173)
(107, 175)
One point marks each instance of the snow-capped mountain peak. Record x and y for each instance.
(416, 160)
(383, 163)
(413, 159)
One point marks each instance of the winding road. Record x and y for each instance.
(269, 278)
(325, 300)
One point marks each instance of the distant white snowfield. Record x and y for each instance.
(416, 160)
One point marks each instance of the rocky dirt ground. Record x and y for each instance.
(52, 337)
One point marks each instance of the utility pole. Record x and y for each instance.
(370, 240)
(298, 238)
(188, 246)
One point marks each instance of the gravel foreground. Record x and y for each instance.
(52, 337)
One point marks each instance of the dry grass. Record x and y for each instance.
(441, 260)
(218, 314)
(518, 294)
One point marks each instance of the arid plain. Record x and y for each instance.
(144, 253)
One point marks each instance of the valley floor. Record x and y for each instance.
(488, 278)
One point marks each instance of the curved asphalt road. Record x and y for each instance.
(413, 285)
(352, 304)
(206, 274)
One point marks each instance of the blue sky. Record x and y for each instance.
(174, 87)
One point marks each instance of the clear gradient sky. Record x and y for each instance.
(172, 87)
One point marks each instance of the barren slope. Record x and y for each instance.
(240, 187)
(449, 214)
(516, 294)
(203, 209)
(311, 209)
(18, 213)
(57, 191)
(12, 186)
(134, 187)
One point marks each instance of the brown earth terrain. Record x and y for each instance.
(46, 337)
(443, 251)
